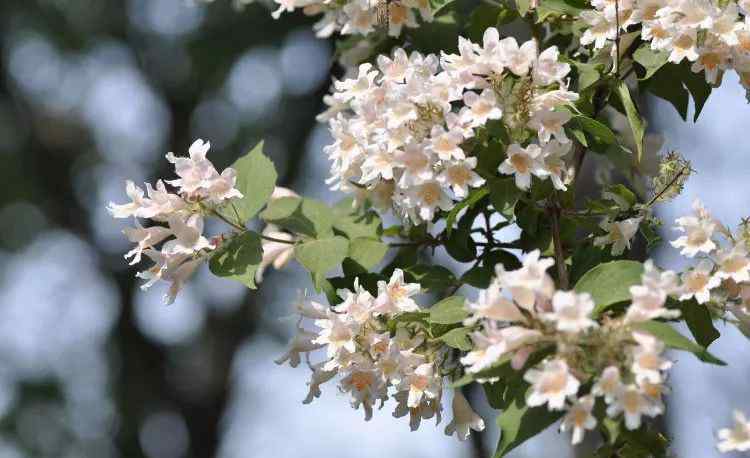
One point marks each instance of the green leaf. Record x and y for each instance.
(320, 256)
(700, 322)
(458, 338)
(354, 223)
(698, 87)
(303, 216)
(599, 131)
(547, 8)
(519, 423)
(667, 85)
(523, 6)
(367, 252)
(450, 310)
(651, 60)
(637, 124)
(474, 196)
(610, 283)
(673, 339)
(256, 179)
(432, 278)
(478, 277)
(238, 259)
(504, 195)
(459, 244)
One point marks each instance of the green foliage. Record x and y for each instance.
(457, 338)
(256, 179)
(450, 310)
(322, 255)
(309, 217)
(504, 195)
(472, 199)
(673, 339)
(650, 60)
(354, 223)
(238, 259)
(432, 278)
(519, 423)
(699, 321)
(555, 8)
(637, 123)
(366, 252)
(676, 84)
(610, 283)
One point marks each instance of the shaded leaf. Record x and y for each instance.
(519, 423)
(432, 278)
(238, 259)
(457, 338)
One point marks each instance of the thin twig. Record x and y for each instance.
(562, 271)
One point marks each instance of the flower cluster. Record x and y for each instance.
(359, 17)
(522, 314)
(722, 274)
(198, 190)
(736, 438)
(377, 357)
(400, 130)
(713, 37)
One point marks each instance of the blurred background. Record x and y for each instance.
(93, 92)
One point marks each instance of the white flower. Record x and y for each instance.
(464, 418)
(318, 377)
(188, 234)
(698, 282)
(619, 234)
(396, 295)
(365, 385)
(277, 254)
(421, 382)
(523, 163)
(530, 282)
(144, 238)
(633, 404)
(579, 418)
(426, 199)
(427, 409)
(698, 235)
(302, 342)
(337, 333)
(548, 69)
(517, 59)
(459, 176)
(736, 438)
(358, 305)
(647, 361)
(608, 384)
(550, 123)
(571, 311)
(553, 154)
(734, 264)
(482, 107)
(133, 208)
(446, 144)
(492, 305)
(551, 385)
(600, 29)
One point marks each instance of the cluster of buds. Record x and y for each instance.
(400, 130)
(198, 191)
(522, 314)
(713, 36)
(376, 356)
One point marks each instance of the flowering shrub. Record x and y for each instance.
(570, 321)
